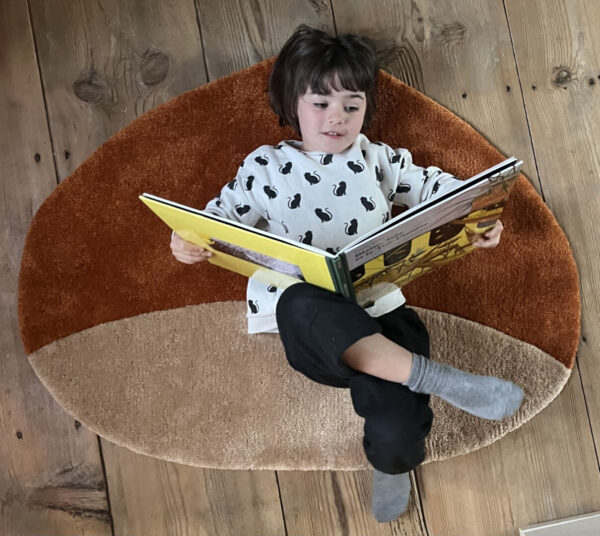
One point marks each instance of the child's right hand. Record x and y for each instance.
(187, 252)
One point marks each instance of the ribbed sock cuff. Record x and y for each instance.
(417, 373)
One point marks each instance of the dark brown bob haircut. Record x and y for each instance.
(312, 59)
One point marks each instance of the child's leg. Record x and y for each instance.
(316, 327)
(381, 355)
(343, 336)
(397, 421)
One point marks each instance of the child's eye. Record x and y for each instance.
(321, 104)
(351, 108)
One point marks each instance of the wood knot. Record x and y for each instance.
(154, 66)
(402, 61)
(319, 6)
(89, 88)
(451, 33)
(562, 75)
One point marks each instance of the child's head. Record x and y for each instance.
(313, 62)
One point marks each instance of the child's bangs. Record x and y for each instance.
(339, 77)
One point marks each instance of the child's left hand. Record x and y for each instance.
(491, 238)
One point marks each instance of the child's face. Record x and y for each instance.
(331, 123)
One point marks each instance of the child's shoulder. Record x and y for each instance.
(265, 153)
(384, 151)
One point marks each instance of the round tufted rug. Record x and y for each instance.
(153, 354)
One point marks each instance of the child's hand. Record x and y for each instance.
(491, 238)
(187, 252)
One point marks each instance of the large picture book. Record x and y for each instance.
(407, 246)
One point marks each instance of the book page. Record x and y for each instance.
(433, 214)
(422, 252)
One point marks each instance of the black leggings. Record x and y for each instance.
(316, 326)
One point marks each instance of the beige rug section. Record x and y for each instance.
(189, 385)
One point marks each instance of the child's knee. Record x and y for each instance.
(294, 308)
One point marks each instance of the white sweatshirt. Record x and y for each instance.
(327, 200)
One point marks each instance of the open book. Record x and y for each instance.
(407, 246)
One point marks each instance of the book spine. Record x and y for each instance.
(338, 268)
(506, 173)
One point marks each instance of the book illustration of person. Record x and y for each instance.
(257, 258)
(324, 86)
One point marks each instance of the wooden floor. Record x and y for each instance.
(525, 73)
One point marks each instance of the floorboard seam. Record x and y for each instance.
(535, 161)
(43, 89)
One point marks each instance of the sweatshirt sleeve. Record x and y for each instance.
(236, 201)
(417, 184)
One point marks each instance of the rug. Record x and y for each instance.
(153, 354)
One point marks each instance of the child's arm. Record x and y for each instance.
(416, 184)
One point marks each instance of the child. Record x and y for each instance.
(326, 190)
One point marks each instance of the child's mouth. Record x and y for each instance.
(333, 134)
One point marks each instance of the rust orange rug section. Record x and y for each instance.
(95, 254)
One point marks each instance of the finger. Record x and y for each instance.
(490, 243)
(189, 260)
(497, 229)
(492, 234)
(189, 246)
(485, 242)
(184, 249)
(193, 253)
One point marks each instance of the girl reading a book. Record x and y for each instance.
(327, 189)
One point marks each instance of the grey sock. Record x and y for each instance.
(487, 397)
(390, 495)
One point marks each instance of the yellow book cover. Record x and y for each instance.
(245, 250)
(413, 243)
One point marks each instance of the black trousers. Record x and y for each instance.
(316, 326)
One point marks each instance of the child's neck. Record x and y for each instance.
(319, 150)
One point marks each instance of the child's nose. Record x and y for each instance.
(336, 116)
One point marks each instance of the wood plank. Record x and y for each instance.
(558, 52)
(183, 500)
(460, 54)
(339, 502)
(51, 479)
(236, 35)
(105, 63)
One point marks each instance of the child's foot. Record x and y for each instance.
(390, 495)
(487, 397)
